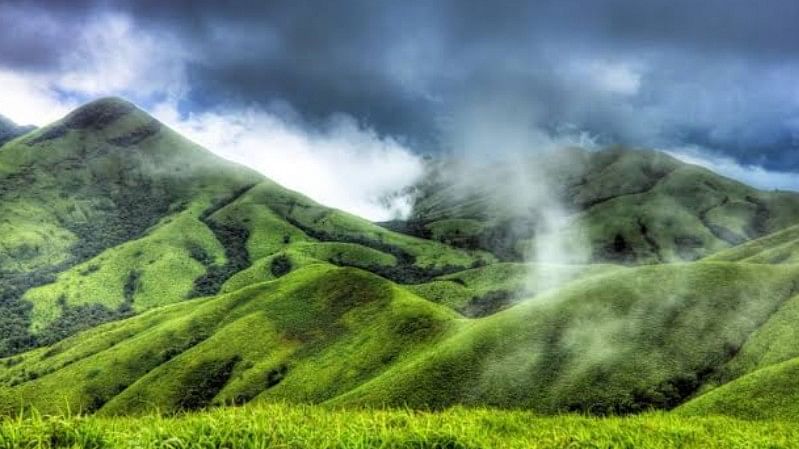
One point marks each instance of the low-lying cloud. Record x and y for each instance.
(340, 164)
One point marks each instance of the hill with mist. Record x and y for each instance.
(623, 205)
(138, 271)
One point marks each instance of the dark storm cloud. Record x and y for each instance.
(719, 74)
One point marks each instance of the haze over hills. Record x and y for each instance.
(628, 206)
(138, 271)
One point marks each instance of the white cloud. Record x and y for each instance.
(30, 99)
(752, 175)
(113, 58)
(621, 78)
(343, 165)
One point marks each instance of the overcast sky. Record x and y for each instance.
(370, 84)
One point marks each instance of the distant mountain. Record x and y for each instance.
(629, 206)
(138, 272)
(9, 130)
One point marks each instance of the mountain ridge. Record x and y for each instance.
(607, 197)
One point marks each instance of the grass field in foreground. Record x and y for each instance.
(298, 426)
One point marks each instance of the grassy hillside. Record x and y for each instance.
(320, 331)
(630, 206)
(108, 213)
(312, 427)
(619, 343)
(615, 341)
(779, 247)
(74, 191)
(768, 393)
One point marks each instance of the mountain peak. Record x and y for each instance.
(98, 114)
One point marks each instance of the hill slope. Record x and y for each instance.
(108, 213)
(604, 343)
(630, 206)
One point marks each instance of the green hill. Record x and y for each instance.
(140, 272)
(779, 247)
(768, 393)
(630, 206)
(344, 336)
(107, 213)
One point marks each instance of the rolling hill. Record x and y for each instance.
(627, 206)
(140, 272)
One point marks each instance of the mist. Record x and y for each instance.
(341, 164)
(501, 150)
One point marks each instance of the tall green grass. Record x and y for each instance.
(299, 426)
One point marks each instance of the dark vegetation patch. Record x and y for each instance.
(233, 238)
(688, 246)
(617, 251)
(128, 202)
(275, 376)
(682, 386)
(198, 253)
(93, 116)
(132, 284)
(500, 239)
(489, 303)
(74, 319)
(779, 258)
(90, 269)
(653, 245)
(139, 134)
(205, 381)
(417, 326)
(271, 379)
(15, 313)
(413, 227)
(758, 226)
(404, 272)
(280, 266)
(181, 346)
(98, 395)
(654, 175)
(719, 231)
(663, 396)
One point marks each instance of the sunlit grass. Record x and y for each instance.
(298, 426)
